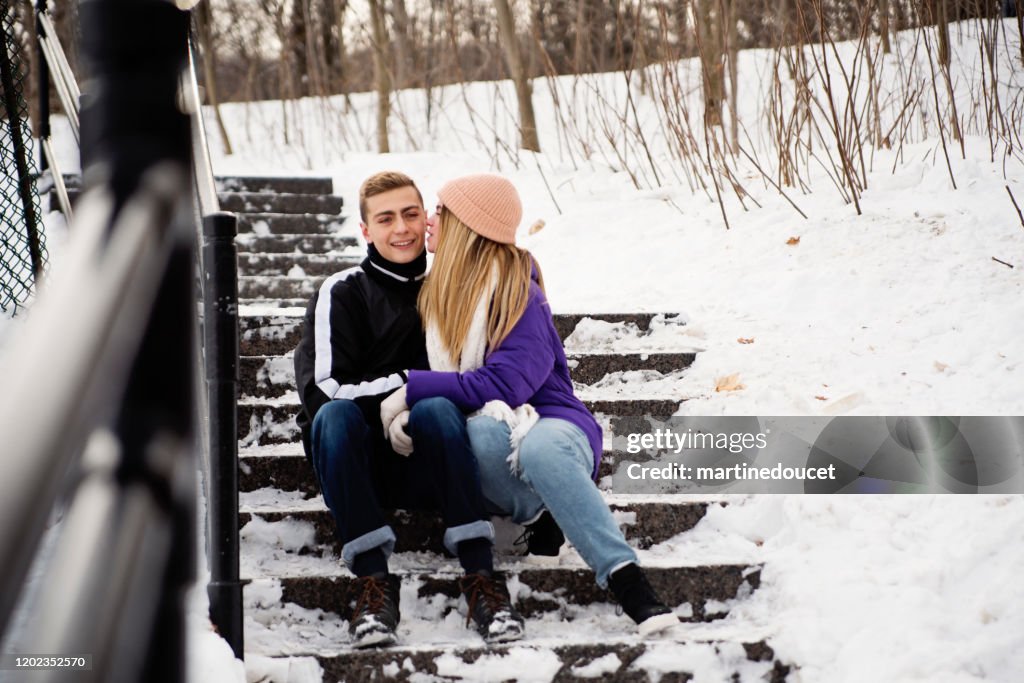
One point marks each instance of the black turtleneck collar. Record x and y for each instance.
(383, 270)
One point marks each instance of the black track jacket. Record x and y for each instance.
(361, 334)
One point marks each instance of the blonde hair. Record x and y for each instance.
(458, 278)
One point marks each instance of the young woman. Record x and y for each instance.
(494, 352)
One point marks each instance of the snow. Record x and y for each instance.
(918, 588)
(534, 666)
(898, 311)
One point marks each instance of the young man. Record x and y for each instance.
(361, 334)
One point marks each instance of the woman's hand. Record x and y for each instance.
(391, 407)
(401, 442)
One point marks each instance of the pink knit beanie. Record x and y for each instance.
(488, 204)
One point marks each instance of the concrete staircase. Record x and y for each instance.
(292, 237)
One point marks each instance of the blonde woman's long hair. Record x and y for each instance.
(458, 277)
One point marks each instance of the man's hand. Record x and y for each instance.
(401, 442)
(391, 407)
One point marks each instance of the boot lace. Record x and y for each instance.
(524, 538)
(481, 587)
(372, 597)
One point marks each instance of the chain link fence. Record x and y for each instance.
(22, 251)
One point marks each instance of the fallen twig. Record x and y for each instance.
(1015, 205)
(1008, 265)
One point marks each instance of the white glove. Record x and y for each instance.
(391, 407)
(401, 442)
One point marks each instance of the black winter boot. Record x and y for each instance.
(631, 589)
(543, 538)
(375, 616)
(490, 606)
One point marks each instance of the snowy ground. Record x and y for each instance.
(899, 311)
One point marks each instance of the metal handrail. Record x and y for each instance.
(206, 186)
(218, 262)
(58, 179)
(125, 295)
(57, 63)
(53, 61)
(121, 271)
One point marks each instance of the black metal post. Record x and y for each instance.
(157, 403)
(44, 87)
(131, 125)
(220, 259)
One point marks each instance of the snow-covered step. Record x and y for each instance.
(277, 303)
(434, 645)
(278, 333)
(697, 592)
(270, 202)
(273, 376)
(289, 223)
(250, 242)
(307, 265)
(284, 466)
(263, 421)
(255, 202)
(317, 185)
(276, 184)
(268, 287)
(644, 522)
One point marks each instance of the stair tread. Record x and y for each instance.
(686, 647)
(707, 591)
(273, 500)
(570, 355)
(585, 394)
(414, 565)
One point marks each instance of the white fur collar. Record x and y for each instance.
(520, 419)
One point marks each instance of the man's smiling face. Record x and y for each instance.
(395, 223)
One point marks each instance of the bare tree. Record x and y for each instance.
(883, 25)
(514, 56)
(204, 29)
(709, 43)
(939, 10)
(405, 53)
(382, 74)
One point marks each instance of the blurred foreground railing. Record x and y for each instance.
(99, 383)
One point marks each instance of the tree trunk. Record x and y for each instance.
(428, 62)
(380, 67)
(204, 22)
(342, 79)
(883, 25)
(405, 56)
(731, 30)
(527, 122)
(942, 26)
(582, 62)
(314, 68)
(709, 42)
(1020, 26)
(297, 47)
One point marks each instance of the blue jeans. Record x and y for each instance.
(555, 461)
(359, 475)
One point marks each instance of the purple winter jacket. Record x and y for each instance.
(528, 367)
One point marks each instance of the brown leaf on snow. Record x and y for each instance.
(537, 227)
(793, 241)
(821, 398)
(729, 383)
(746, 340)
(941, 367)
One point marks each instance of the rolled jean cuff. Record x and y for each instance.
(383, 537)
(464, 532)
